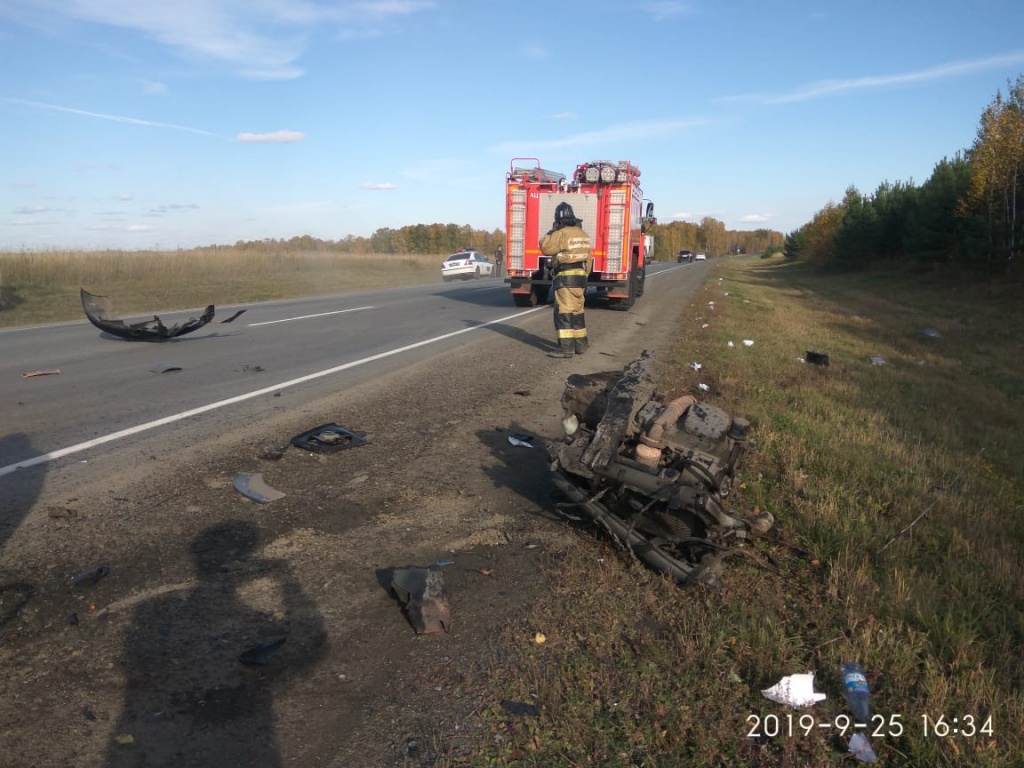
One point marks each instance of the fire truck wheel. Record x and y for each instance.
(641, 279)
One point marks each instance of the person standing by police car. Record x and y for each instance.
(568, 247)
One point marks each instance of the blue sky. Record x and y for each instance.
(174, 123)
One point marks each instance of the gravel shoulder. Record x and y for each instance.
(141, 667)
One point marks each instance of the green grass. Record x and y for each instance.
(44, 287)
(638, 672)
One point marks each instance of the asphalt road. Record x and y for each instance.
(108, 400)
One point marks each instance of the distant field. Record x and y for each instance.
(44, 287)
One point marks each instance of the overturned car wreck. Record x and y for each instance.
(100, 311)
(654, 476)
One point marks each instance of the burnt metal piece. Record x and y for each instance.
(816, 358)
(100, 311)
(422, 594)
(234, 316)
(328, 438)
(655, 476)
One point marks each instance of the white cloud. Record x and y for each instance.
(138, 228)
(102, 116)
(564, 116)
(26, 210)
(378, 185)
(154, 88)
(756, 218)
(625, 132)
(823, 88)
(126, 197)
(277, 137)
(665, 9)
(262, 39)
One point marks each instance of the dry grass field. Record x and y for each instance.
(44, 287)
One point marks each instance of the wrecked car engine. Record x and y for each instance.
(654, 476)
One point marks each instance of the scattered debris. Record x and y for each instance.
(860, 747)
(695, 366)
(654, 475)
(100, 311)
(934, 333)
(539, 638)
(424, 601)
(795, 691)
(816, 358)
(234, 316)
(329, 438)
(730, 345)
(251, 369)
(706, 325)
(164, 368)
(31, 374)
(522, 392)
(257, 655)
(251, 484)
(912, 524)
(485, 571)
(124, 739)
(517, 708)
(73, 619)
(521, 440)
(748, 342)
(878, 361)
(703, 387)
(444, 563)
(91, 576)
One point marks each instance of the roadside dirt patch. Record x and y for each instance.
(146, 666)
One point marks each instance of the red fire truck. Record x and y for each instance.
(607, 196)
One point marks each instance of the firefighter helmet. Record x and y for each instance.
(565, 216)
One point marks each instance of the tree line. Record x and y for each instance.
(969, 214)
(711, 237)
(412, 239)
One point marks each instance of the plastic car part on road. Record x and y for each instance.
(100, 311)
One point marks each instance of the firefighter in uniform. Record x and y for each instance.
(569, 248)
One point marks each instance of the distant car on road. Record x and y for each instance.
(700, 257)
(466, 265)
(685, 256)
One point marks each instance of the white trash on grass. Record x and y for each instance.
(795, 690)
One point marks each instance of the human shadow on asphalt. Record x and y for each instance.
(22, 487)
(520, 335)
(202, 666)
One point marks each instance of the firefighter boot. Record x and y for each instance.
(564, 349)
(581, 345)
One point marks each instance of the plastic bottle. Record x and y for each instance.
(855, 687)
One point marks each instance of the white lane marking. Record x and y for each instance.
(307, 317)
(79, 447)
